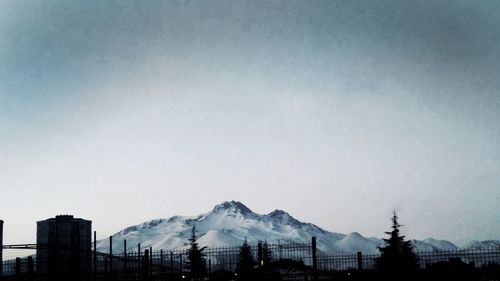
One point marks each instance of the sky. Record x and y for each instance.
(338, 112)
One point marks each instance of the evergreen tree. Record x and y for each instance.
(267, 255)
(397, 260)
(195, 259)
(265, 272)
(246, 262)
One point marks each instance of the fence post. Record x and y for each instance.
(171, 263)
(161, 260)
(94, 256)
(139, 258)
(145, 268)
(151, 259)
(360, 261)
(18, 267)
(111, 256)
(259, 254)
(314, 259)
(125, 257)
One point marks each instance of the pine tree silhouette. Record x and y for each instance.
(265, 271)
(195, 259)
(245, 265)
(267, 255)
(397, 260)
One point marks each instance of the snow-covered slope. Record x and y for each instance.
(482, 245)
(431, 244)
(229, 223)
(440, 244)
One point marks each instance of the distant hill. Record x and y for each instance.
(482, 245)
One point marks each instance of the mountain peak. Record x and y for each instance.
(232, 206)
(354, 235)
(279, 213)
(283, 218)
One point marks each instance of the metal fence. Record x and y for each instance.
(291, 261)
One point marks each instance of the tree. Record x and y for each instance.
(265, 271)
(244, 267)
(397, 260)
(267, 256)
(196, 258)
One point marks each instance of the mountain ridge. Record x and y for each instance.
(231, 222)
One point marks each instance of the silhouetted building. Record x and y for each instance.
(63, 246)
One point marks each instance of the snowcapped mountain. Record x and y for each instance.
(229, 223)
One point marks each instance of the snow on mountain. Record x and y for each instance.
(440, 244)
(483, 245)
(421, 246)
(355, 242)
(229, 223)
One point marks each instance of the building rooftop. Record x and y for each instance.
(65, 218)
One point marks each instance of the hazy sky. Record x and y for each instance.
(335, 111)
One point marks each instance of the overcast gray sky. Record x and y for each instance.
(335, 111)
